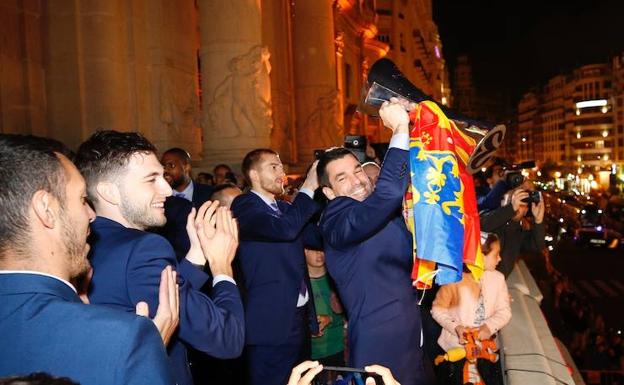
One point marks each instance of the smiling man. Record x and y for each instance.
(368, 252)
(44, 223)
(278, 305)
(125, 183)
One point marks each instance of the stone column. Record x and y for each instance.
(22, 97)
(277, 36)
(236, 87)
(86, 74)
(316, 92)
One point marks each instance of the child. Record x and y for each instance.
(470, 305)
(328, 345)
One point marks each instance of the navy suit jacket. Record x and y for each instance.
(46, 328)
(177, 210)
(273, 264)
(201, 194)
(368, 252)
(127, 264)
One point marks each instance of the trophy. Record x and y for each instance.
(386, 81)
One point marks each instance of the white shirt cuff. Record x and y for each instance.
(400, 141)
(222, 277)
(307, 192)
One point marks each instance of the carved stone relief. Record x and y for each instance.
(240, 105)
(322, 125)
(179, 105)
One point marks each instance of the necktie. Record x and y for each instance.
(275, 207)
(180, 195)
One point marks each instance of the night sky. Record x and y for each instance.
(514, 45)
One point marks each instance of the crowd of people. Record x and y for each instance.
(116, 266)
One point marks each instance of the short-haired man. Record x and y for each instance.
(126, 186)
(278, 305)
(177, 164)
(225, 194)
(372, 170)
(368, 252)
(44, 223)
(221, 173)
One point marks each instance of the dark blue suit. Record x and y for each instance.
(201, 194)
(46, 328)
(127, 264)
(273, 266)
(368, 252)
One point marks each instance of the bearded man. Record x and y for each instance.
(126, 186)
(44, 223)
(278, 304)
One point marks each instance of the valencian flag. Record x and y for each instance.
(441, 201)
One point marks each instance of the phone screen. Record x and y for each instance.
(340, 375)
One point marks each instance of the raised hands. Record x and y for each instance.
(168, 312)
(394, 115)
(217, 233)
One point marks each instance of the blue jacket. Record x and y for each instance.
(273, 264)
(201, 194)
(46, 328)
(368, 251)
(127, 264)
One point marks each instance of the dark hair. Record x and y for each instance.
(106, 153)
(486, 246)
(218, 189)
(221, 165)
(252, 159)
(326, 158)
(28, 164)
(36, 379)
(181, 153)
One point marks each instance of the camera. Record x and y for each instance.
(513, 173)
(357, 145)
(534, 197)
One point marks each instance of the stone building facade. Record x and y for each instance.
(217, 78)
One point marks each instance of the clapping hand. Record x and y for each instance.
(217, 232)
(168, 312)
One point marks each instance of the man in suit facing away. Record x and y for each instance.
(44, 223)
(278, 303)
(368, 252)
(177, 164)
(126, 186)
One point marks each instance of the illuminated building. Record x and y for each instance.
(215, 77)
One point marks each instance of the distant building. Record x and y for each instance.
(576, 119)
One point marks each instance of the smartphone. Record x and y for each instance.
(342, 375)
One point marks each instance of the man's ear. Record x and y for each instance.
(109, 192)
(329, 193)
(42, 205)
(253, 176)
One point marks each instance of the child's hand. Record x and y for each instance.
(460, 330)
(484, 332)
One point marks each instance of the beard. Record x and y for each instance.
(272, 186)
(175, 182)
(140, 216)
(75, 245)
